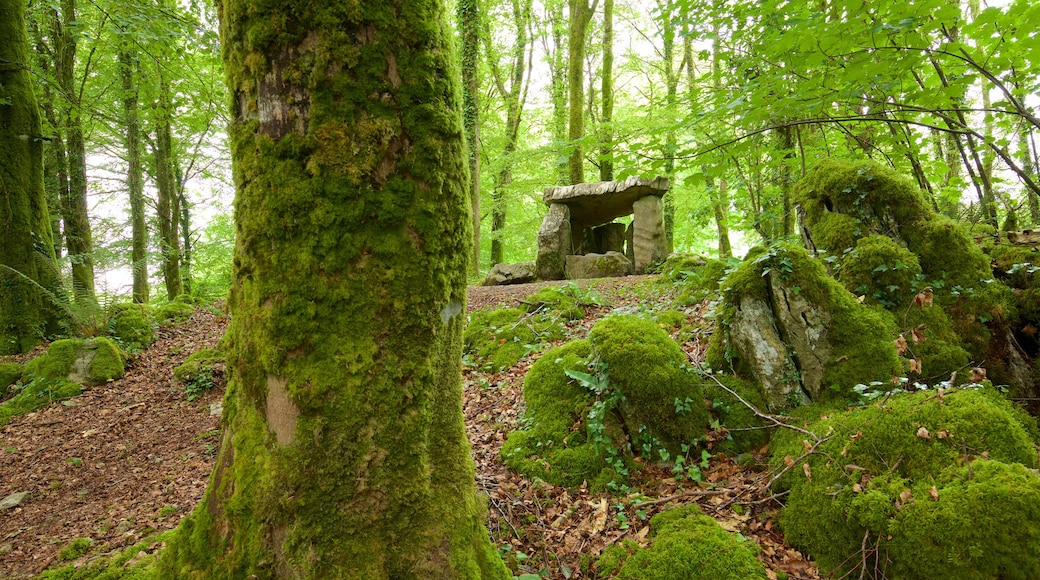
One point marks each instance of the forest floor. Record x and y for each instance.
(132, 457)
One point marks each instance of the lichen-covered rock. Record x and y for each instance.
(131, 326)
(896, 474)
(502, 273)
(592, 405)
(786, 324)
(554, 243)
(500, 338)
(89, 362)
(685, 544)
(609, 265)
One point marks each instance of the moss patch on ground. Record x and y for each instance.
(130, 325)
(893, 478)
(500, 338)
(174, 312)
(593, 405)
(685, 545)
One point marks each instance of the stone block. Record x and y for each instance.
(609, 265)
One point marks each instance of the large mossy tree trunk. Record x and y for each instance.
(580, 16)
(469, 18)
(344, 453)
(27, 268)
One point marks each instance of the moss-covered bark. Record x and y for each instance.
(27, 269)
(345, 454)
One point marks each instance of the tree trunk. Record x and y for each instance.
(671, 83)
(558, 83)
(344, 454)
(718, 193)
(135, 174)
(55, 162)
(606, 155)
(28, 273)
(186, 244)
(580, 15)
(74, 207)
(168, 202)
(468, 13)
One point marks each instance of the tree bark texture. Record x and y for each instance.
(344, 454)
(28, 273)
(168, 202)
(134, 174)
(468, 15)
(580, 15)
(606, 155)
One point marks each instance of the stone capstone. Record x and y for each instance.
(592, 204)
(501, 273)
(554, 243)
(611, 264)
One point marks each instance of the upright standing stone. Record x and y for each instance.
(554, 243)
(650, 243)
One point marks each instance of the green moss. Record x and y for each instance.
(872, 455)
(202, 361)
(130, 325)
(10, 373)
(682, 266)
(76, 548)
(502, 337)
(880, 270)
(687, 545)
(174, 312)
(651, 372)
(836, 232)
(941, 351)
(103, 361)
(556, 298)
(134, 563)
(747, 431)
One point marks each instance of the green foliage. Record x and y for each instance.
(10, 373)
(747, 431)
(200, 372)
(568, 300)
(136, 562)
(593, 405)
(130, 325)
(38, 392)
(877, 462)
(500, 338)
(685, 545)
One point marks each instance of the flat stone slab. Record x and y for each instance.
(592, 204)
(13, 500)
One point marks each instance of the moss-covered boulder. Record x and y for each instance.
(593, 405)
(89, 362)
(700, 282)
(845, 202)
(500, 338)
(745, 431)
(786, 324)
(130, 325)
(10, 373)
(174, 312)
(568, 301)
(685, 544)
(881, 271)
(682, 266)
(892, 478)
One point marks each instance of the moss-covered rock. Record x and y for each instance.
(500, 338)
(685, 545)
(10, 373)
(881, 271)
(876, 462)
(787, 325)
(199, 362)
(92, 361)
(682, 266)
(747, 431)
(174, 312)
(130, 325)
(592, 405)
(568, 301)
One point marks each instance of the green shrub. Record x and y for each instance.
(500, 338)
(685, 545)
(129, 324)
(879, 461)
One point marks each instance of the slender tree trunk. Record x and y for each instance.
(468, 15)
(671, 83)
(558, 76)
(78, 240)
(580, 15)
(186, 243)
(787, 181)
(344, 453)
(1027, 153)
(135, 173)
(55, 162)
(717, 191)
(167, 203)
(606, 155)
(28, 272)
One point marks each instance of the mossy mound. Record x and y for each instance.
(131, 326)
(10, 373)
(876, 462)
(200, 362)
(789, 326)
(682, 266)
(881, 271)
(592, 405)
(685, 545)
(567, 301)
(134, 563)
(174, 312)
(92, 361)
(702, 282)
(931, 338)
(747, 431)
(500, 338)
(36, 392)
